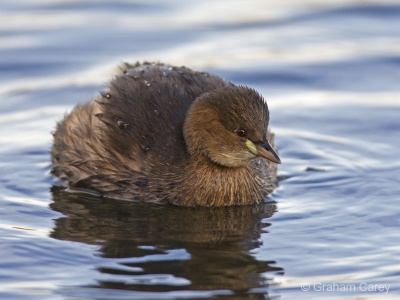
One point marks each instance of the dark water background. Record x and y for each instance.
(330, 71)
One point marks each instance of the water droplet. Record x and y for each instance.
(105, 95)
(156, 112)
(145, 148)
(165, 71)
(122, 124)
(146, 82)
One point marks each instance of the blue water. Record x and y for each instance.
(330, 72)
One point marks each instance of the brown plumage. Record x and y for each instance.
(168, 135)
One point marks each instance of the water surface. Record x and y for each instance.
(330, 73)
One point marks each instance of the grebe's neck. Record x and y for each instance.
(206, 183)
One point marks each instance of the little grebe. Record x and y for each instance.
(168, 134)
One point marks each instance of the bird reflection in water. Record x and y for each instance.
(217, 242)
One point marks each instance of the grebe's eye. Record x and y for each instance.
(241, 132)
